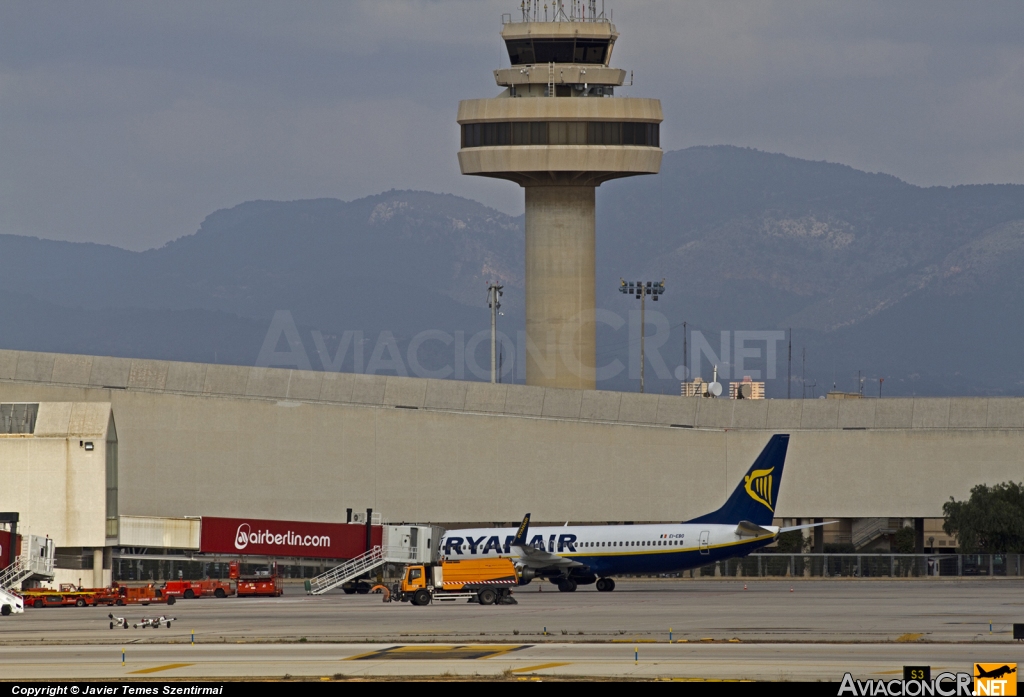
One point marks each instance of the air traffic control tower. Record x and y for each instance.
(559, 132)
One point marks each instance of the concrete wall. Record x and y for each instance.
(57, 486)
(231, 441)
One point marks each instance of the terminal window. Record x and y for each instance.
(18, 418)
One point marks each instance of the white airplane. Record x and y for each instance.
(583, 554)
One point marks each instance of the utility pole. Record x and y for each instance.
(880, 381)
(493, 301)
(803, 375)
(641, 291)
(686, 365)
(789, 372)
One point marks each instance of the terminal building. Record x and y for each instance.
(197, 440)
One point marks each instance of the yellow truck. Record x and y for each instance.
(484, 581)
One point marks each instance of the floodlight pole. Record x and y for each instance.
(493, 302)
(643, 331)
(641, 290)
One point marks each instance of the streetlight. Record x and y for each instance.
(494, 293)
(641, 290)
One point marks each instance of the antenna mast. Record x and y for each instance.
(789, 374)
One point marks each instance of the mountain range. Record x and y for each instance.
(920, 286)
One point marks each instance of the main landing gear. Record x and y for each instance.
(605, 585)
(567, 585)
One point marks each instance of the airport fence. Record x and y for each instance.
(866, 565)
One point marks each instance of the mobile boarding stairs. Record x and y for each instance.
(34, 563)
(401, 544)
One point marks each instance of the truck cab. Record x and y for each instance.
(415, 578)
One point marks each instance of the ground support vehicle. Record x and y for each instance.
(11, 603)
(268, 585)
(44, 597)
(197, 589)
(362, 587)
(142, 595)
(92, 596)
(82, 597)
(105, 596)
(484, 581)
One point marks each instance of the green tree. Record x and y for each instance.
(791, 542)
(903, 541)
(991, 521)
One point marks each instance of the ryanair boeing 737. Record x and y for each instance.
(578, 555)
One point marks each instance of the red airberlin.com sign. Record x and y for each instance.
(285, 538)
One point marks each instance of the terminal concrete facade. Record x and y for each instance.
(59, 465)
(235, 441)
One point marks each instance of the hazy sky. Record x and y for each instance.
(128, 122)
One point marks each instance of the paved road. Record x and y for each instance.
(708, 661)
(816, 611)
(817, 631)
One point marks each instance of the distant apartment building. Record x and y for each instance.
(746, 389)
(698, 387)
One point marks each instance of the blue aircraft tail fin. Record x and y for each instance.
(524, 529)
(755, 498)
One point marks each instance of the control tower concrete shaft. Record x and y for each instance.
(559, 132)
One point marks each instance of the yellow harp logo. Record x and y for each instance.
(522, 527)
(759, 485)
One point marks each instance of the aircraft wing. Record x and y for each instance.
(540, 559)
(531, 557)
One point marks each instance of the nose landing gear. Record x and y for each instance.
(605, 585)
